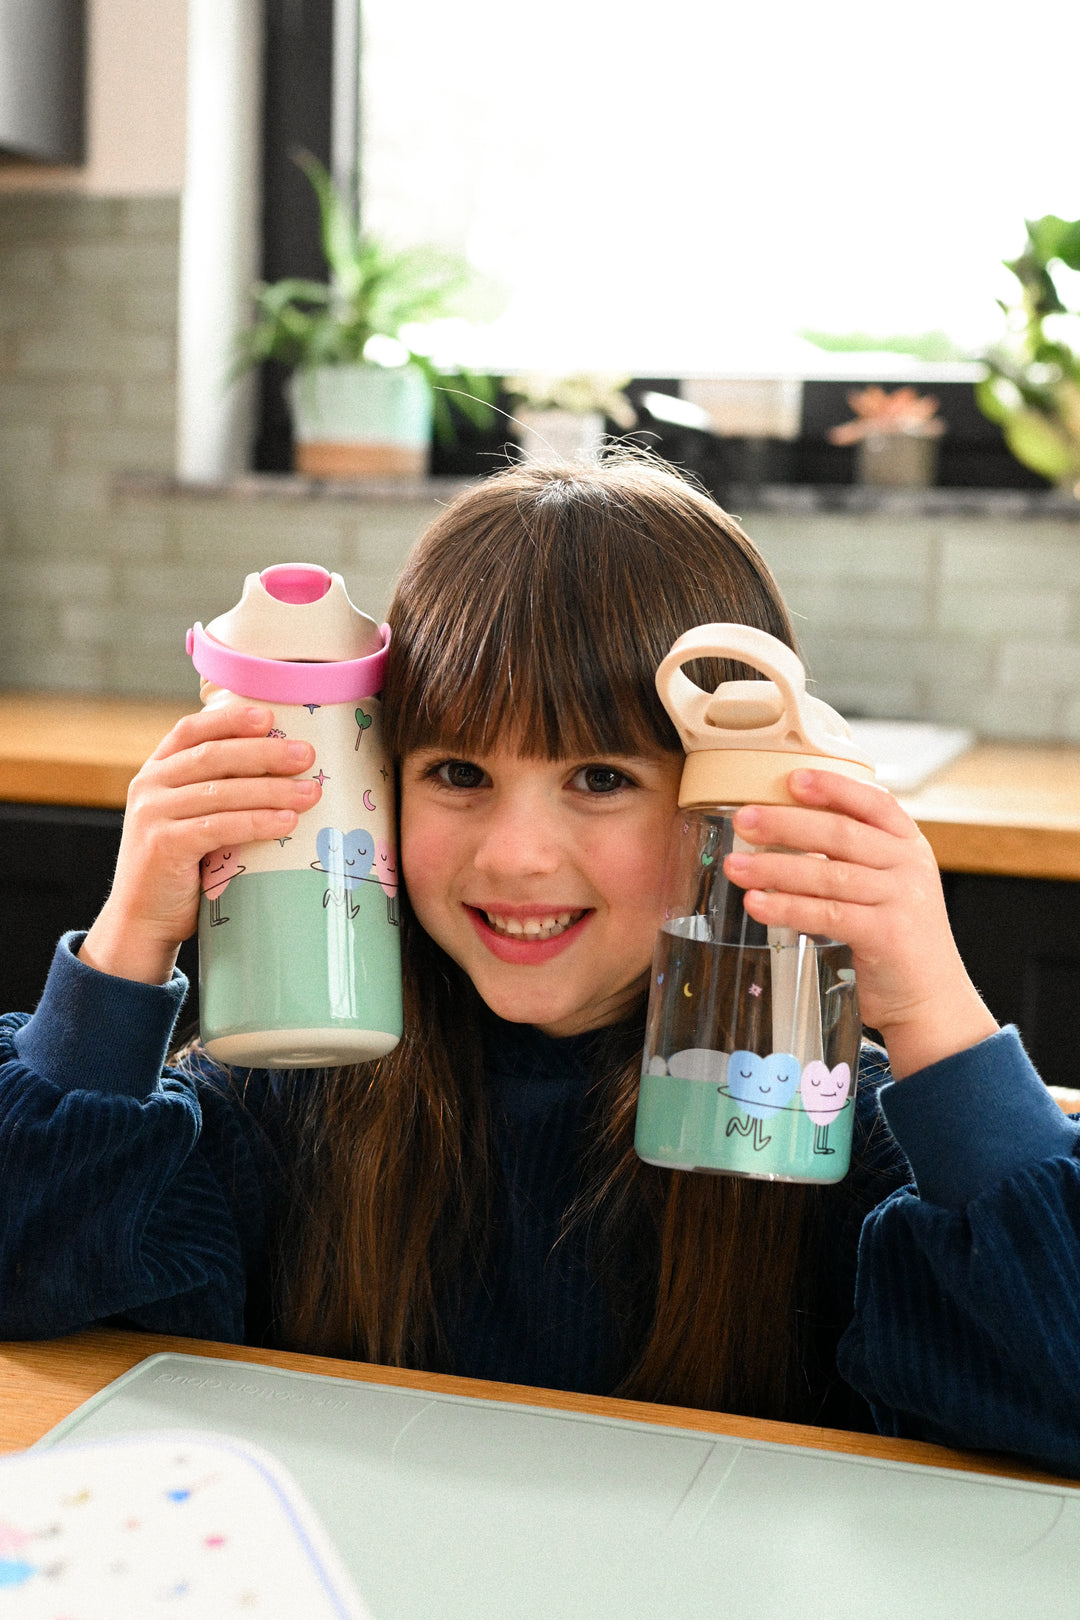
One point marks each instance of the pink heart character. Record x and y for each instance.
(824, 1091)
(216, 870)
(386, 867)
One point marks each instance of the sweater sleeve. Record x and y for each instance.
(126, 1189)
(967, 1307)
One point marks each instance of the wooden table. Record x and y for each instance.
(1009, 808)
(41, 1382)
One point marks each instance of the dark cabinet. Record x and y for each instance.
(1020, 940)
(55, 872)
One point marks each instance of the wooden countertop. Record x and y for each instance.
(41, 1382)
(1009, 808)
(67, 748)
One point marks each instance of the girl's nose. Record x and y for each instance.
(517, 840)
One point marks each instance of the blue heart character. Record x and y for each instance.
(763, 1085)
(345, 857)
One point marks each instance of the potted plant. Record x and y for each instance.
(896, 436)
(1033, 384)
(561, 417)
(364, 401)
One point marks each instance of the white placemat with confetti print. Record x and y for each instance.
(165, 1524)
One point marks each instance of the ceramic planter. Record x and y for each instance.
(897, 460)
(360, 421)
(559, 435)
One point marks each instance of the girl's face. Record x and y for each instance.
(541, 880)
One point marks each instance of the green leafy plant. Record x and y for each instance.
(933, 345)
(1033, 383)
(358, 316)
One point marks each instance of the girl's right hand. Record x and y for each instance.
(216, 779)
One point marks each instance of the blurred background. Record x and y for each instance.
(769, 243)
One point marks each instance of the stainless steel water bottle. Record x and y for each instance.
(299, 961)
(753, 1033)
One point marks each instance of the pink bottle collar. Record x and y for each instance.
(278, 681)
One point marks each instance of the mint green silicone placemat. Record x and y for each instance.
(449, 1508)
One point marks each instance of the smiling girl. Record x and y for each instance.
(472, 1202)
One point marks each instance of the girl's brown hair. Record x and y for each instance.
(537, 607)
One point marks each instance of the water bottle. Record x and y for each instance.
(753, 1033)
(299, 956)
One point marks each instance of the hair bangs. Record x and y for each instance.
(536, 610)
(534, 662)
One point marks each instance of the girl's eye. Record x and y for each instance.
(600, 779)
(458, 773)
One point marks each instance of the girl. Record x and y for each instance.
(472, 1203)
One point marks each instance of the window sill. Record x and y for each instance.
(286, 487)
(932, 502)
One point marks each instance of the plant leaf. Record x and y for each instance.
(1042, 446)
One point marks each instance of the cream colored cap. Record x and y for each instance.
(744, 739)
(300, 613)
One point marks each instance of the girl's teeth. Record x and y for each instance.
(532, 927)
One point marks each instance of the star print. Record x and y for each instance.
(320, 777)
(311, 707)
(754, 990)
(286, 840)
(383, 772)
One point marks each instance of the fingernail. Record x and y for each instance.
(285, 818)
(801, 780)
(298, 750)
(309, 789)
(737, 863)
(259, 717)
(748, 816)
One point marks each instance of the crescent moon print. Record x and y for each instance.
(369, 802)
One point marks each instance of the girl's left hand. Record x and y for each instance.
(878, 892)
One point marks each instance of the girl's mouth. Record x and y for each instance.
(533, 928)
(514, 938)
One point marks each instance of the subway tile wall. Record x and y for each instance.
(101, 579)
(968, 618)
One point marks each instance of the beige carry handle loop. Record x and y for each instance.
(777, 713)
(742, 740)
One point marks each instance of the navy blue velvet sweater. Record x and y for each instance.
(130, 1191)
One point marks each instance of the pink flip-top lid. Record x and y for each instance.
(292, 589)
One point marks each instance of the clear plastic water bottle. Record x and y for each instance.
(753, 1033)
(299, 960)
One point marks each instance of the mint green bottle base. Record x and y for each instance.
(295, 973)
(696, 1125)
